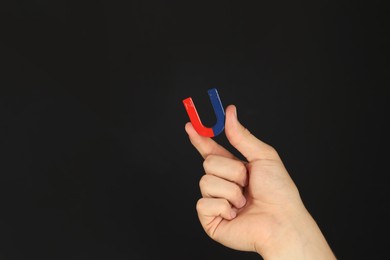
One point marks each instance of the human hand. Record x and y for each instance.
(253, 205)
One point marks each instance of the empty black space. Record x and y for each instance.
(94, 159)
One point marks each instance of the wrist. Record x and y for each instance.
(297, 236)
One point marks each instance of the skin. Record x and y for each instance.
(253, 205)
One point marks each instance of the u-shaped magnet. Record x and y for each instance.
(218, 110)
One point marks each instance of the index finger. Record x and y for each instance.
(205, 145)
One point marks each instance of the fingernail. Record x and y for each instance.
(233, 214)
(235, 111)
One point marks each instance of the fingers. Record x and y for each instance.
(207, 207)
(214, 187)
(205, 145)
(247, 144)
(226, 168)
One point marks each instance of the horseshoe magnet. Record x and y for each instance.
(218, 110)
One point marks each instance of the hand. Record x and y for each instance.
(253, 205)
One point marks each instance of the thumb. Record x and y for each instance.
(246, 143)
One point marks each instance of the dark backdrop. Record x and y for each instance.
(95, 163)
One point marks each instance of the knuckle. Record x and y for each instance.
(272, 151)
(246, 132)
(240, 172)
(226, 205)
(243, 134)
(236, 175)
(236, 193)
(208, 162)
(204, 181)
(200, 205)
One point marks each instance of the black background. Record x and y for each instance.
(95, 163)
